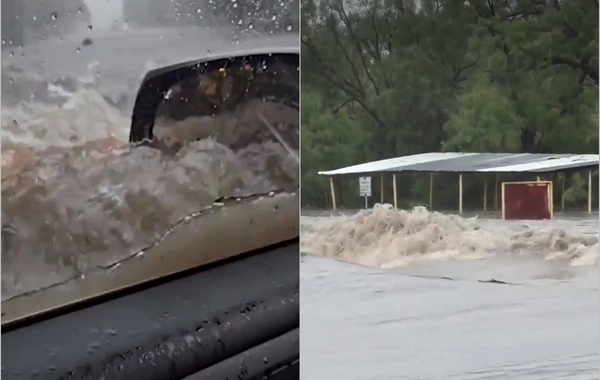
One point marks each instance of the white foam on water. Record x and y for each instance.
(76, 196)
(390, 239)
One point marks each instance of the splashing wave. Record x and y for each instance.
(388, 238)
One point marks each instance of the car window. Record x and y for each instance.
(77, 197)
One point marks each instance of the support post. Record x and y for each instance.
(496, 185)
(589, 192)
(395, 192)
(460, 194)
(562, 194)
(381, 187)
(431, 191)
(485, 194)
(332, 192)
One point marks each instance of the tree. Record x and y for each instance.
(421, 76)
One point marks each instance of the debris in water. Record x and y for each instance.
(493, 281)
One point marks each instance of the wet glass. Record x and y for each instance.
(77, 197)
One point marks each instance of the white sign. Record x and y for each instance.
(364, 184)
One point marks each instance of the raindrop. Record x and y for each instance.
(240, 22)
(250, 26)
(34, 18)
(274, 18)
(79, 10)
(12, 53)
(208, 53)
(90, 27)
(4, 41)
(265, 359)
(78, 50)
(198, 10)
(110, 331)
(54, 16)
(289, 27)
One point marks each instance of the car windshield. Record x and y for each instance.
(77, 198)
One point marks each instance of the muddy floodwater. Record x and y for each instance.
(408, 295)
(75, 195)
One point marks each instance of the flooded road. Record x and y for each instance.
(402, 295)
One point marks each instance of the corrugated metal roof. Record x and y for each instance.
(472, 162)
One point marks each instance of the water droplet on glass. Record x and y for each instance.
(274, 18)
(34, 18)
(265, 359)
(289, 27)
(54, 16)
(208, 53)
(10, 80)
(4, 41)
(110, 331)
(79, 10)
(250, 26)
(12, 54)
(78, 50)
(90, 27)
(198, 10)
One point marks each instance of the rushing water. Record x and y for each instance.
(75, 195)
(403, 295)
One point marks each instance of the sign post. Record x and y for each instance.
(364, 185)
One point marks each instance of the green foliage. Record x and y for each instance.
(386, 78)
